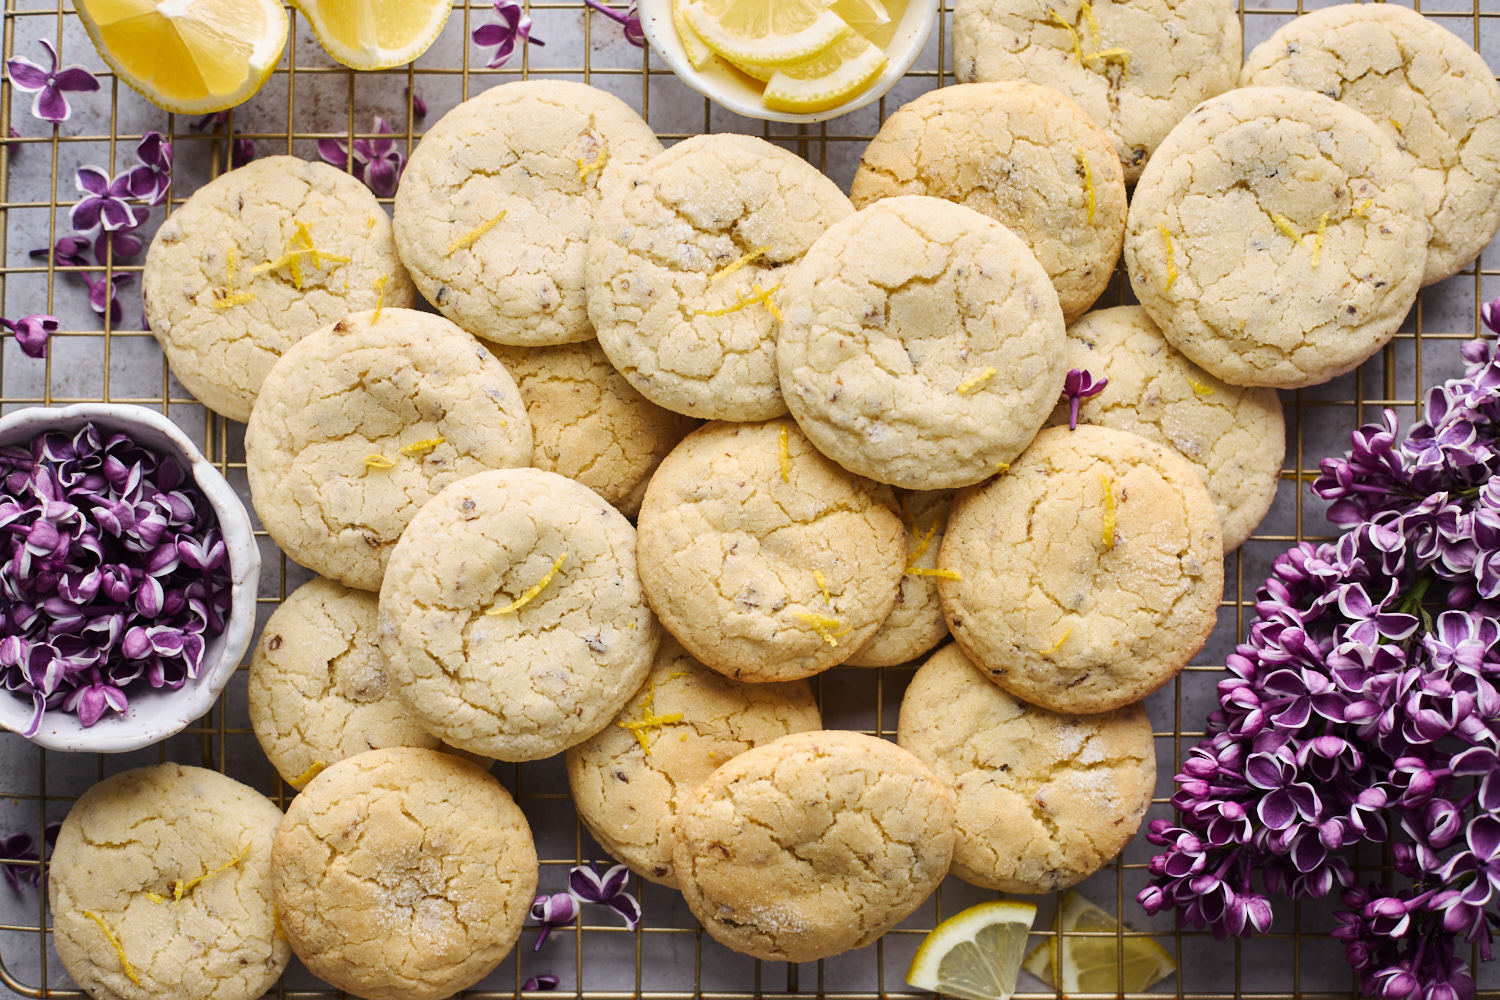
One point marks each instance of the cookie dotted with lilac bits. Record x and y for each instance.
(812, 845)
(403, 874)
(255, 260)
(928, 363)
(1276, 237)
(161, 886)
(1088, 575)
(495, 208)
(362, 423)
(512, 618)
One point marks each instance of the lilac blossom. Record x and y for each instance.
(17, 849)
(105, 202)
(629, 22)
(376, 162)
(32, 333)
(512, 33)
(1079, 385)
(69, 252)
(151, 181)
(49, 83)
(552, 912)
(114, 573)
(607, 889)
(104, 294)
(419, 106)
(546, 981)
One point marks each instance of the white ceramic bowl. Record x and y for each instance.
(726, 87)
(153, 714)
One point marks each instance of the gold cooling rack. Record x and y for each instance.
(311, 98)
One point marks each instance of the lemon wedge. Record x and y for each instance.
(1089, 964)
(766, 32)
(698, 53)
(864, 16)
(761, 73)
(827, 80)
(976, 954)
(375, 34)
(188, 56)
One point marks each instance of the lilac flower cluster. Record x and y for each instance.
(1363, 706)
(511, 34)
(114, 571)
(586, 884)
(376, 162)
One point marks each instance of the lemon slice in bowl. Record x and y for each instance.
(1091, 964)
(698, 53)
(976, 954)
(188, 56)
(827, 80)
(766, 32)
(864, 16)
(375, 34)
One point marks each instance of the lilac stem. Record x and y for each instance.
(608, 12)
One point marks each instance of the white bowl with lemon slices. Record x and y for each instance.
(789, 60)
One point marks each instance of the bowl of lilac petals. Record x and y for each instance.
(128, 572)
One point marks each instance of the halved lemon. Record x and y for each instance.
(376, 34)
(188, 56)
(698, 53)
(1090, 964)
(766, 32)
(827, 80)
(976, 954)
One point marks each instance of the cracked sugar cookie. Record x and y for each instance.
(362, 422)
(512, 619)
(915, 625)
(255, 260)
(684, 265)
(922, 344)
(1088, 575)
(588, 423)
(1023, 155)
(160, 886)
(403, 874)
(494, 210)
(1137, 67)
(766, 560)
(1043, 800)
(628, 780)
(1276, 238)
(1234, 436)
(317, 689)
(1426, 89)
(812, 845)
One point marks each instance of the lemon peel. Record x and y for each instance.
(1121, 56)
(1109, 511)
(1285, 225)
(374, 461)
(180, 889)
(276, 922)
(301, 246)
(823, 625)
(1072, 33)
(1199, 388)
(969, 385)
(585, 168)
(1171, 266)
(1317, 251)
(1088, 15)
(1058, 644)
(735, 265)
(1362, 207)
(536, 588)
(1088, 181)
(923, 542)
(225, 299)
(757, 296)
(114, 943)
(823, 586)
(1004, 467)
(786, 459)
(380, 283)
(313, 770)
(156, 897)
(648, 721)
(472, 236)
(946, 574)
(417, 447)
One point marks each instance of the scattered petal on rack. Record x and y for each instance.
(104, 201)
(552, 912)
(69, 252)
(49, 84)
(153, 178)
(376, 162)
(32, 333)
(607, 889)
(104, 294)
(513, 32)
(546, 981)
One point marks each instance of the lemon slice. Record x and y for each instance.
(761, 73)
(188, 56)
(864, 16)
(827, 80)
(976, 954)
(375, 34)
(698, 53)
(766, 32)
(1089, 963)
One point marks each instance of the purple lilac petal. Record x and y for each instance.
(546, 981)
(49, 84)
(32, 333)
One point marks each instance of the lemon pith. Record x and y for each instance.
(975, 954)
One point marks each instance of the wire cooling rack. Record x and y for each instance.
(668, 956)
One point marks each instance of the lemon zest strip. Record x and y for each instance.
(536, 588)
(302, 246)
(156, 897)
(584, 168)
(823, 586)
(1199, 387)
(969, 385)
(1109, 511)
(1088, 178)
(1122, 56)
(1171, 266)
(821, 624)
(380, 284)
(1059, 642)
(472, 236)
(1072, 32)
(231, 264)
(758, 295)
(1360, 209)
(276, 922)
(734, 266)
(1088, 15)
(1285, 225)
(229, 299)
(114, 943)
(1395, 125)
(922, 544)
(1318, 239)
(180, 889)
(648, 721)
(946, 574)
(417, 447)
(374, 461)
(313, 770)
(786, 459)
(1004, 467)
